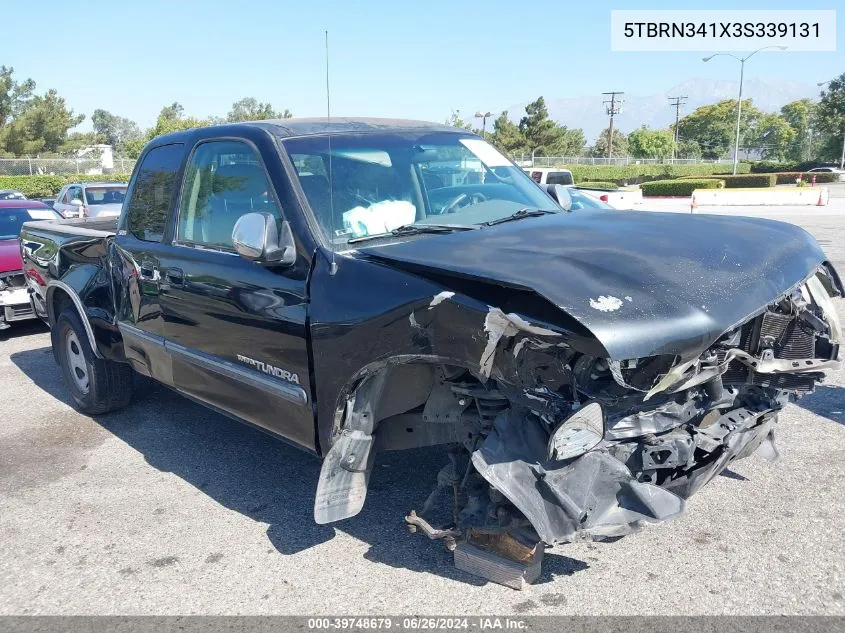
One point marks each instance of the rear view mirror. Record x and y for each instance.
(560, 194)
(259, 238)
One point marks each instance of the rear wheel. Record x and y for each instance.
(95, 385)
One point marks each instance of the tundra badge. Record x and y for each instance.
(278, 372)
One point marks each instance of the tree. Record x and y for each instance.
(620, 144)
(801, 117)
(13, 95)
(172, 119)
(79, 140)
(688, 149)
(772, 135)
(542, 135)
(114, 130)
(646, 143)
(831, 120)
(40, 125)
(173, 111)
(249, 109)
(506, 135)
(713, 127)
(30, 123)
(132, 148)
(572, 142)
(455, 120)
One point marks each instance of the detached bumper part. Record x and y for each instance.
(14, 306)
(594, 495)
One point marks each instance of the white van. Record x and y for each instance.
(550, 175)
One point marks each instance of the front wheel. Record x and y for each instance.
(95, 385)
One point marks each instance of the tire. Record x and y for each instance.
(95, 385)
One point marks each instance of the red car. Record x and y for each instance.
(14, 299)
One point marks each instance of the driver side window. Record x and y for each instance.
(223, 181)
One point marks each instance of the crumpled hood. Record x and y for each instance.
(10, 256)
(643, 283)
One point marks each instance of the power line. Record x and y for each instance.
(613, 107)
(677, 102)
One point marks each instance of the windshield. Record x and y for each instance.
(11, 220)
(105, 195)
(383, 181)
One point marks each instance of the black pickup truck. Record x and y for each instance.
(365, 285)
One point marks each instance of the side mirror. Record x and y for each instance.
(76, 202)
(258, 238)
(560, 194)
(579, 433)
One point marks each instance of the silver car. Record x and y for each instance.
(90, 199)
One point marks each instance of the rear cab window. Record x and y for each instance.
(105, 194)
(559, 178)
(152, 192)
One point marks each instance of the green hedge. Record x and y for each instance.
(683, 187)
(771, 167)
(749, 180)
(598, 185)
(634, 174)
(40, 186)
(789, 177)
(745, 180)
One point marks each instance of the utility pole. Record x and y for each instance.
(614, 107)
(677, 102)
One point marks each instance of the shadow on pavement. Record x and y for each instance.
(265, 479)
(827, 401)
(19, 329)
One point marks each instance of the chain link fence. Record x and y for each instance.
(60, 166)
(527, 160)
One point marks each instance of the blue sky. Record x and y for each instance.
(388, 58)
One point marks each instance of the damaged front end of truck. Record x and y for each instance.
(627, 442)
(571, 413)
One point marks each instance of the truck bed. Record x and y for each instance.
(87, 227)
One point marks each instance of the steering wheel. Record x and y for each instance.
(470, 199)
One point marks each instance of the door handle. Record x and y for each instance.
(174, 276)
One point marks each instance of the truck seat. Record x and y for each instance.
(236, 189)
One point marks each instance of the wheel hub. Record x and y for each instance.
(76, 361)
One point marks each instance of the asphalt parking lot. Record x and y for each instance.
(167, 508)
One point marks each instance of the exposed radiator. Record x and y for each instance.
(784, 335)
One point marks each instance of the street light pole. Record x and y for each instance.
(738, 114)
(741, 61)
(483, 116)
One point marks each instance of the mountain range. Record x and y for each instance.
(589, 113)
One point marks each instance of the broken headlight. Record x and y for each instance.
(579, 433)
